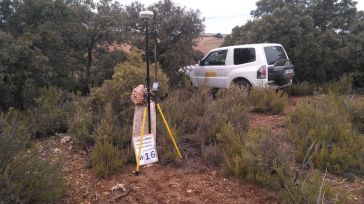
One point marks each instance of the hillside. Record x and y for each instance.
(207, 43)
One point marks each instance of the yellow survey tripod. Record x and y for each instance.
(155, 88)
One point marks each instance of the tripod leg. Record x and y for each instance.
(141, 139)
(169, 131)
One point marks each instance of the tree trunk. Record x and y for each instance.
(89, 62)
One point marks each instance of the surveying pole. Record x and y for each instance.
(146, 15)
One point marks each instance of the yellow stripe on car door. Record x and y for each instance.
(210, 74)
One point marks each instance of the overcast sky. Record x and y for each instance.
(220, 16)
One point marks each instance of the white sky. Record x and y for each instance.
(220, 16)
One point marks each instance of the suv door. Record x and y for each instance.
(280, 69)
(212, 68)
(243, 64)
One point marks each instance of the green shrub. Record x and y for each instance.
(107, 113)
(111, 106)
(199, 118)
(184, 110)
(52, 111)
(213, 154)
(311, 187)
(358, 82)
(106, 116)
(260, 158)
(301, 89)
(217, 129)
(105, 159)
(267, 100)
(356, 112)
(343, 86)
(323, 134)
(257, 158)
(24, 176)
(82, 123)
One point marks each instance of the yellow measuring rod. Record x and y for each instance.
(169, 131)
(141, 138)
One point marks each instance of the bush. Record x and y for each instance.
(52, 112)
(257, 158)
(343, 86)
(356, 112)
(301, 89)
(199, 119)
(108, 111)
(267, 100)
(323, 134)
(213, 154)
(24, 176)
(105, 159)
(105, 117)
(184, 110)
(218, 129)
(260, 158)
(358, 81)
(82, 123)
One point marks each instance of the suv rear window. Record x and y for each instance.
(274, 53)
(244, 55)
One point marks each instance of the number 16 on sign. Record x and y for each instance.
(149, 152)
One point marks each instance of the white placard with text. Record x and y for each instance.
(149, 151)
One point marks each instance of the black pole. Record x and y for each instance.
(148, 77)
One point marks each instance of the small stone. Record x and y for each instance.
(65, 139)
(106, 193)
(118, 186)
(189, 191)
(56, 151)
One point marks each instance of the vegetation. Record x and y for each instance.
(261, 159)
(322, 38)
(218, 129)
(67, 44)
(51, 112)
(323, 134)
(342, 86)
(302, 89)
(105, 159)
(199, 119)
(60, 73)
(24, 176)
(356, 112)
(267, 100)
(105, 114)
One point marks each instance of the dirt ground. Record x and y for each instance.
(191, 182)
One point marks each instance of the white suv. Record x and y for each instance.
(265, 64)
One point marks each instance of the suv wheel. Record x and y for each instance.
(244, 85)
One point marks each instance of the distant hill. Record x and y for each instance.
(207, 43)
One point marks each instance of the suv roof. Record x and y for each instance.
(257, 45)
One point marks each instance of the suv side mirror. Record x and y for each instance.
(200, 62)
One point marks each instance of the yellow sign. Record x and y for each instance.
(210, 74)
